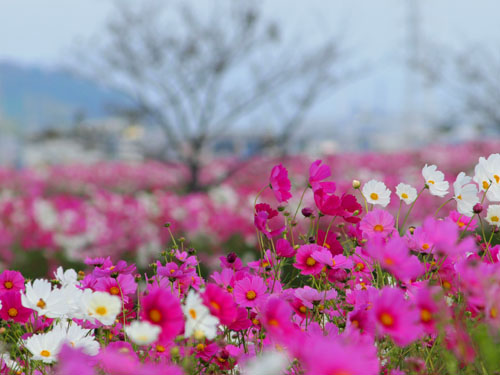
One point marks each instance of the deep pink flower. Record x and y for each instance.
(280, 183)
(124, 285)
(350, 209)
(318, 172)
(11, 280)
(331, 242)
(12, 308)
(275, 316)
(377, 223)
(305, 262)
(395, 317)
(284, 248)
(160, 307)
(262, 219)
(74, 361)
(327, 202)
(249, 291)
(220, 303)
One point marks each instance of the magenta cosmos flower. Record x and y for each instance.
(11, 280)
(220, 303)
(318, 172)
(12, 308)
(275, 316)
(160, 307)
(377, 222)
(249, 291)
(280, 183)
(262, 220)
(305, 262)
(395, 317)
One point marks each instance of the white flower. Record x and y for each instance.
(406, 193)
(198, 318)
(78, 337)
(487, 176)
(11, 364)
(45, 346)
(465, 194)
(493, 214)
(376, 192)
(102, 306)
(68, 277)
(434, 179)
(39, 296)
(268, 363)
(143, 333)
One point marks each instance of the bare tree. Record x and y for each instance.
(471, 77)
(197, 74)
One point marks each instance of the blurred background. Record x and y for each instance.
(117, 116)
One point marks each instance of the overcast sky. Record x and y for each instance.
(42, 32)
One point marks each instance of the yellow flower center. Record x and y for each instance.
(45, 353)
(255, 321)
(114, 290)
(8, 285)
(404, 196)
(460, 224)
(460, 197)
(215, 305)
(446, 284)
(386, 319)
(389, 261)
(303, 309)
(378, 228)
(486, 185)
(229, 288)
(12, 312)
(41, 304)
(265, 264)
(425, 315)
(160, 348)
(310, 261)
(497, 178)
(155, 315)
(431, 182)
(355, 323)
(425, 246)
(273, 322)
(493, 312)
(360, 266)
(374, 196)
(200, 347)
(101, 310)
(251, 295)
(495, 219)
(192, 312)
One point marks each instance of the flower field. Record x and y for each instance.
(350, 264)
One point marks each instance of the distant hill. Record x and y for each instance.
(36, 98)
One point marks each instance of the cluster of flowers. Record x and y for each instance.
(356, 292)
(73, 211)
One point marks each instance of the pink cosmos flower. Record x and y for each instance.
(280, 184)
(275, 317)
(284, 248)
(377, 223)
(305, 262)
(124, 285)
(394, 256)
(428, 308)
(74, 361)
(241, 322)
(160, 307)
(326, 201)
(12, 308)
(11, 280)
(263, 215)
(249, 291)
(463, 221)
(395, 317)
(318, 172)
(331, 242)
(220, 303)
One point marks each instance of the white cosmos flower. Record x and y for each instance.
(198, 318)
(78, 337)
(465, 194)
(13, 365)
(143, 333)
(487, 176)
(102, 306)
(376, 192)
(434, 179)
(39, 296)
(493, 214)
(406, 193)
(268, 363)
(68, 277)
(45, 346)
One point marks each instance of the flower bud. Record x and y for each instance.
(356, 184)
(478, 208)
(306, 211)
(231, 257)
(312, 239)
(411, 229)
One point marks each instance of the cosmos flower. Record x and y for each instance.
(375, 192)
(142, 332)
(435, 181)
(280, 184)
(406, 193)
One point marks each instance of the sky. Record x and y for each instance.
(44, 32)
